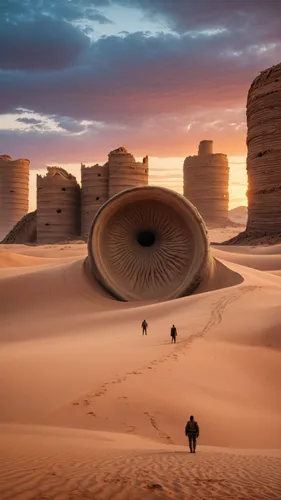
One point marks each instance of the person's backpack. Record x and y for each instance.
(191, 427)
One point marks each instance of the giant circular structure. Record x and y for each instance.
(148, 243)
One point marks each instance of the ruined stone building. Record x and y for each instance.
(94, 193)
(205, 181)
(264, 152)
(99, 183)
(124, 172)
(64, 210)
(58, 206)
(14, 191)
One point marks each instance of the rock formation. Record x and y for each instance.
(124, 172)
(58, 206)
(25, 231)
(206, 179)
(264, 153)
(148, 243)
(14, 190)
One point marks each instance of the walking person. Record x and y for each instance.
(174, 334)
(144, 326)
(192, 432)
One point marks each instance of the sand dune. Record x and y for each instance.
(91, 409)
(21, 259)
(263, 262)
(252, 250)
(221, 234)
(82, 465)
(47, 251)
(11, 259)
(276, 273)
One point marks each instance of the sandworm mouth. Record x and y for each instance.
(148, 243)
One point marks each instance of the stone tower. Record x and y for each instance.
(205, 179)
(264, 152)
(62, 208)
(94, 194)
(124, 172)
(99, 183)
(58, 206)
(205, 148)
(14, 191)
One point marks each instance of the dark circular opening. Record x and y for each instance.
(146, 238)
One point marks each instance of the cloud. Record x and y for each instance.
(158, 94)
(237, 16)
(25, 121)
(28, 121)
(129, 79)
(163, 137)
(70, 125)
(67, 10)
(40, 44)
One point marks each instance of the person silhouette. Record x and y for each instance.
(144, 326)
(192, 432)
(174, 334)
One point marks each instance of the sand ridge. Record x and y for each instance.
(121, 468)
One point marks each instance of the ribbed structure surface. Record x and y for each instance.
(125, 172)
(149, 243)
(14, 191)
(264, 152)
(58, 206)
(94, 193)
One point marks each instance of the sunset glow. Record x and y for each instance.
(168, 172)
(156, 77)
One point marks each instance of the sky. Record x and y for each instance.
(79, 78)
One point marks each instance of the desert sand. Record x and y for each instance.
(91, 409)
